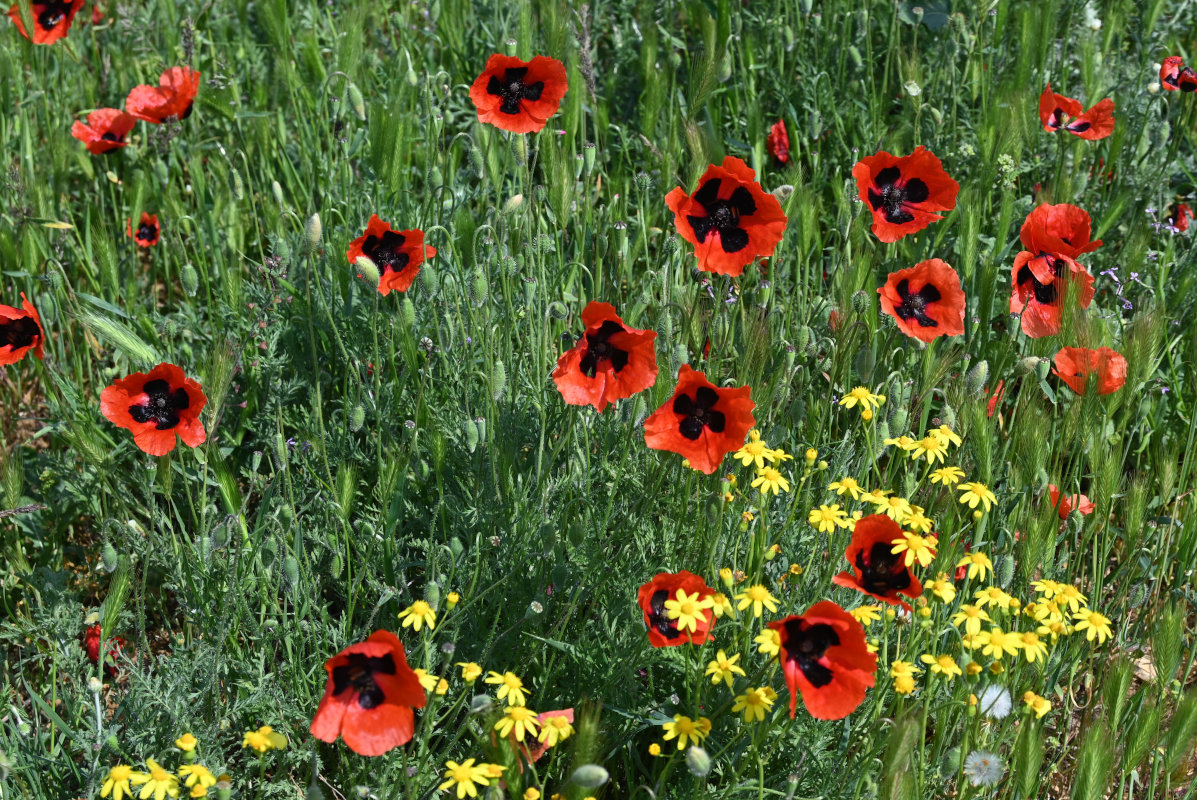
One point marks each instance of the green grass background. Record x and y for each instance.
(365, 451)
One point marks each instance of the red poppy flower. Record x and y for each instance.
(147, 230)
(105, 130)
(51, 20)
(995, 396)
(1175, 76)
(729, 219)
(397, 254)
(20, 332)
(1058, 112)
(904, 192)
(926, 300)
(1180, 217)
(369, 697)
(519, 96)
(663, 631)
(174, 96)
(1074, 365)
(156, 406)
(91, 643)
(825, 659)
(778, 142)
(701, 421)
(610, 362)
(1054, 236)
(876, 570)
(1073, 502)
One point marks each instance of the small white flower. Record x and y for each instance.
(983, 768)
(995, 702)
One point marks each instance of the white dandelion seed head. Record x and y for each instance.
(994, 701)
(983, 768)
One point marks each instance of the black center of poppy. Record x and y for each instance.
(513, 89)
(806, 645)
(385, 251)
(1045, 293)
(1188, 80)
(53, 14)
(723, 216)
(699, 413)
(599, 349)
(890, 194)
(147, 232)
(881, 570)
(162, 406)
(358, 674)
(18, 332)
(109, 136)
(657, 617)
(914, 304)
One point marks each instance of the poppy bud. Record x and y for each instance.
(589, 776)
(589, 151)
(356, 102)
(189, 279)
(861, 301)
(277, 188)
(498, 381)
(481, 423)
(312, 233)
(109, 556)
(428, 279)
(291, 571)
(471, 435)
(408, 310)
(280, 453)
(481, 704)
(899, 419)
(456, 547)
(803, 338)
(313, 792)
(237, 184)
(854, 54)
(978, 376)
(368, 270)
(698, 761)
(357, 418)
(479, 290)
(334, 569)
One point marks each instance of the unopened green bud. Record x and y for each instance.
(277, 188)
(190, 280)
(368, 270)
(589, 776)
(312, 233)
(498, 381)
(408, 309)
(698, 761)
(356, 102)
(978, 376)
(513, 203)
(357, 418)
